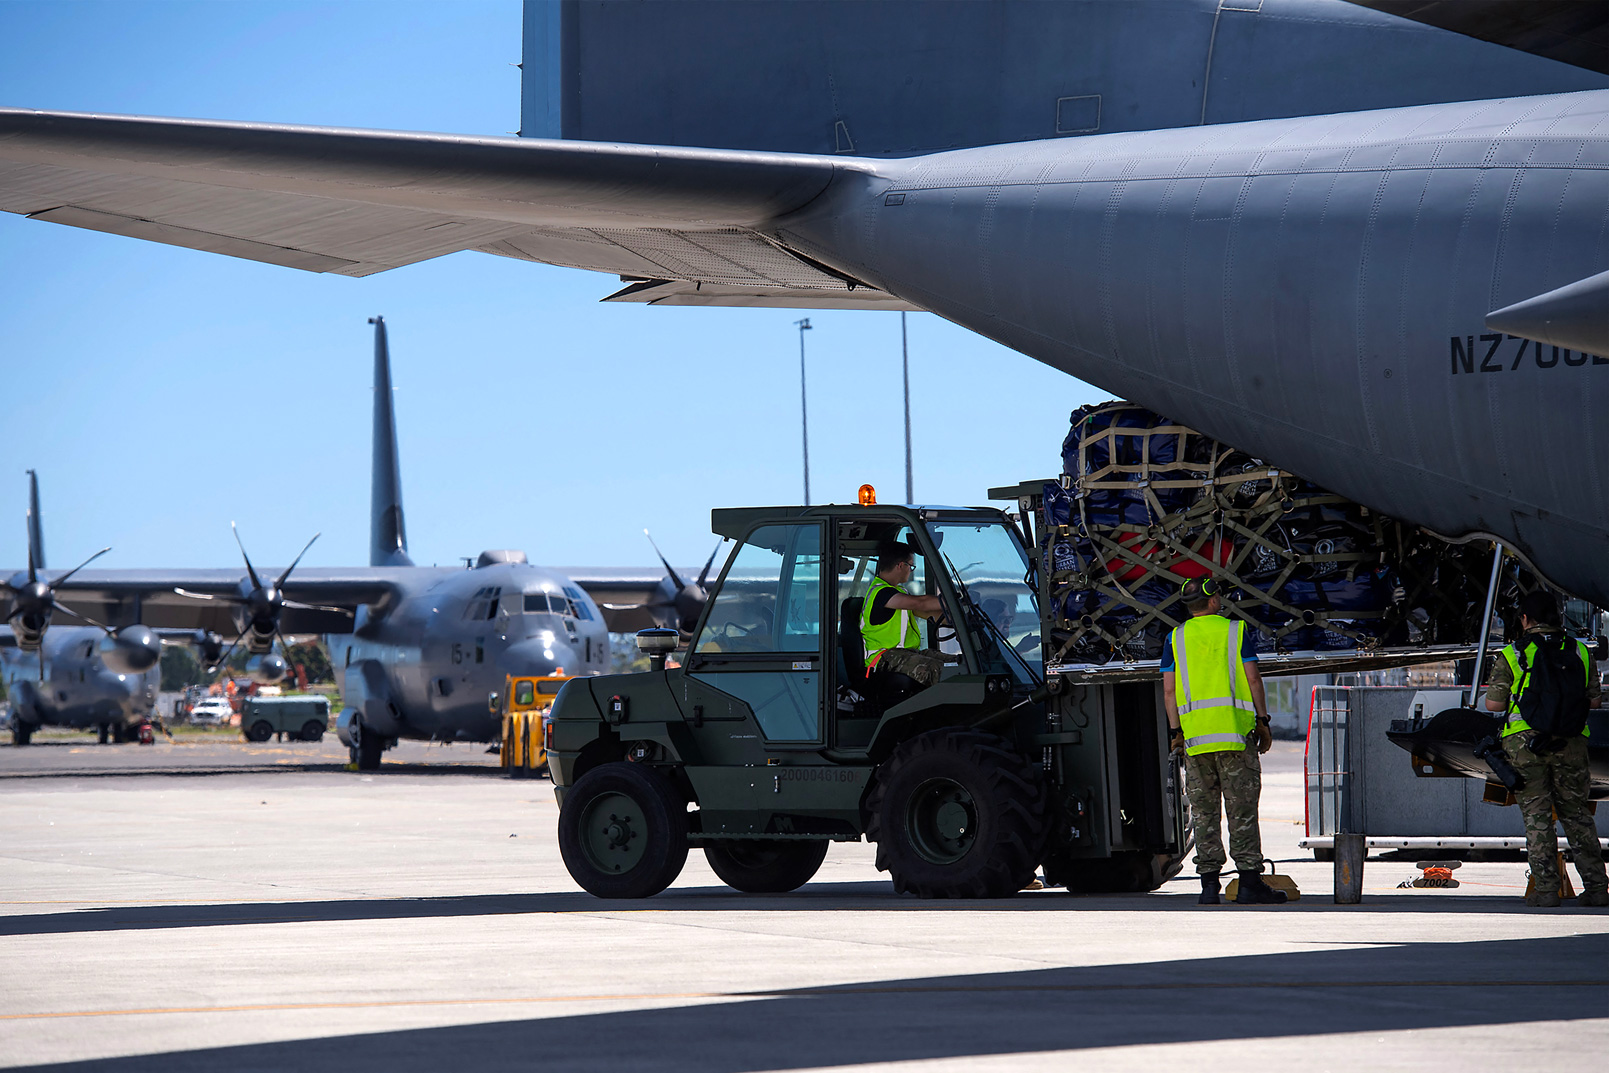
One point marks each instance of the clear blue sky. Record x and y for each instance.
(163, 392)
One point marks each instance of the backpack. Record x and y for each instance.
(1554, 697)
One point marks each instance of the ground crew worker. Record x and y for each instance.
(888, 628)
(1557, 780)
(1216, 710)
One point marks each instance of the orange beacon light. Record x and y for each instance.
(868, 496)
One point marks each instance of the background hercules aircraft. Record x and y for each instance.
(416, 649)
(1369, 250)
(57, 677)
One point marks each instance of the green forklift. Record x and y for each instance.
(772, 740)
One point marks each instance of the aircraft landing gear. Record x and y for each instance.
(21, 733)
(367, 747)
(105, 733)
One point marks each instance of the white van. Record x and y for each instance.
(211, 711)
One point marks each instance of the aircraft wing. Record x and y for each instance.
(357, 202)
(317, 600)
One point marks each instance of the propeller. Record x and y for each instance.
(259, 605)
(33, 601)
(679, 600)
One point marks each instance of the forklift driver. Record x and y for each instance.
(888, 628)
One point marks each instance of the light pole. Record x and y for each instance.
(905, 361)
(804, 412)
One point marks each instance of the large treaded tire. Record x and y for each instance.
(367, 748)
(969, 774)
(765, 866)
(623, 831)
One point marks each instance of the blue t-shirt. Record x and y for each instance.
(1248, 648)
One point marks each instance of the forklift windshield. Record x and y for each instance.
(988, 562)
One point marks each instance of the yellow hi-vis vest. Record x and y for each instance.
(900, 631)
(1521, 682)
(1210, 686)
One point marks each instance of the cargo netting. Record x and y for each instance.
(1145, 503)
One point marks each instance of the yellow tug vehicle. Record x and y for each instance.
(524, 705)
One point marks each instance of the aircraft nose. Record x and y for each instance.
(537, 656)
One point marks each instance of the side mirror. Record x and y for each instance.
(494, 703)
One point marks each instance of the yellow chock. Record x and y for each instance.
(1566, 888)
(1273, 879)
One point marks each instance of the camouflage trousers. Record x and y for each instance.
(917, 664)
(1556, 782)
(1236, 779)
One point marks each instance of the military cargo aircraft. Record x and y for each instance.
(417, 650)
(1369, 250)
(58, 677)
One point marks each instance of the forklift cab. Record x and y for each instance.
(781, 631)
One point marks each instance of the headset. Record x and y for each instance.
(1209, 586)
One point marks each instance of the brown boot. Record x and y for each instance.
(1542, 899)
(1593, 897)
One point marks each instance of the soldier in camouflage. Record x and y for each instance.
(1557, 780)
(1216, 714)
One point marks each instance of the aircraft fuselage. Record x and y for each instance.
(424, 668)
(78, 691)
(1311, 290)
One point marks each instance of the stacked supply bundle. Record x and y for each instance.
(1144, 504)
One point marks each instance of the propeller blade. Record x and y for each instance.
(316, 607)
(65, 610)
(281, 582)
(285, 647)
(77, 568)
(256, 582)
(36, 540)
(704, 574)
(224, 659)
(671, 570)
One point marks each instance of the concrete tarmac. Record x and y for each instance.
(225, 906)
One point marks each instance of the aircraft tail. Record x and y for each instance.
(36, 532)
(388, 539)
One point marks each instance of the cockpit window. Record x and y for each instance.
(578, 605)
(539, 602)
(483, 605)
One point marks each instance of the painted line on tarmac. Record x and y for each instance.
(826, 992)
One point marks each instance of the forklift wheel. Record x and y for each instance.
(765, 866)
(623, 831)
(958, 814)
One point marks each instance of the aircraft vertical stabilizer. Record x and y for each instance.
(388, 540)
(36, 532)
